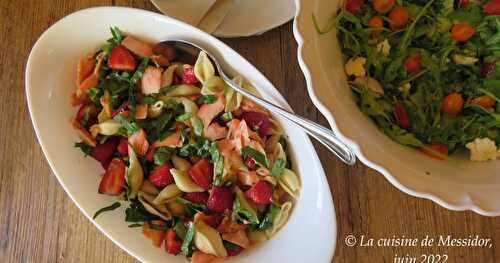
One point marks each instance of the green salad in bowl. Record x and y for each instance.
(426, 72)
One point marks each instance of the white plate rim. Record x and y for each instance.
(306, 58)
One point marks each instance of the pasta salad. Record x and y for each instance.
(204, 171)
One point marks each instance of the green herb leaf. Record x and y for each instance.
(271, 212)
(162, 155)
(259, 157)
(184, 117)
(180, 230)
(186, 246)
(86, 149)
(112, 207)
(218, 160)
(230, 246)
(242, 214)
(207, 99)
(129, 126)
(163, 227)
(137, 213)
(148, 100)
(140, 71)
(135, 225)
(278, 167)
(227, 116)
(94, 94)
(197, 126)
(191, 208)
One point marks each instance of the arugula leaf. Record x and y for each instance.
(184, 117)
(162, 155)
(130, 127)
(218, 160)
(149, 100)
(191, 208)
(259, 157)
(186, 246)
(180, 230)
(242, 214)
(137, 213)
(94, 94)
(86, 149)
(277, 168)
(197, 126)
(140, 71)
(271, 212)
(112, 207)
(135, 225)
(207, 99)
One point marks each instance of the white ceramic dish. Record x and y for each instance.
(248, 17)
(461, 185)
(310, 234)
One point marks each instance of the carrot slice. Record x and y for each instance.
(139, 142)
(173, 140)
(83, 134)
(141, 111)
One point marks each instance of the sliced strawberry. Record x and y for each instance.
(260, 193)
(165, 50)
(257, 121)
(150, 155)
(492, 7)
(122, 147)
(188, 76)
(172, 245)
(160, 176)
(197, 197)
(220, 199)
(103, 152)
(88, 113)
(113, 179)
(250, 163)
(201, 173)
(121, 59)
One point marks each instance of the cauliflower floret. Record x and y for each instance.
(464, 60)
(384, 47)
(355, 66)
(482, 149)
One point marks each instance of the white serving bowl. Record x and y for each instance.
(310, 234)
(457, 185)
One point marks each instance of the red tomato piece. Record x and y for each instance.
(412, 64)
(492, 7)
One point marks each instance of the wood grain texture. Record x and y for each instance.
(39, 223)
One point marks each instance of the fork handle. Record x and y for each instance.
(318, 132)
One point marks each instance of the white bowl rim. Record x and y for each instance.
(305, 59)
(321, 174)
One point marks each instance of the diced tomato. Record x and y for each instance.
(463, 3)
(103, 152)
(165, 50)
(121, 59)
(201, 173)
(197, 197)
(257, 121)
(452, 104)
(412, 64)
(160, 176)
(260, 193)
(172, 245)
(188, 76)
(398, 17)
(354, 6)
(488, 68)
(220, 199)
(462, 32)
(383, 6)
(123, 146)
(492, 7)
(113, 180)
(401, 115)
(89, 112)
(155, 235)
(435, 150)
(484, 101)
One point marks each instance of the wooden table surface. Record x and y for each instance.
(39, 223)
